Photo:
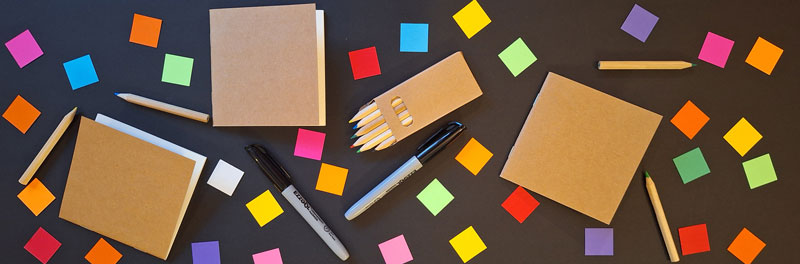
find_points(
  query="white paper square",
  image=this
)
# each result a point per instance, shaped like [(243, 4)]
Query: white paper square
[(225, 177)]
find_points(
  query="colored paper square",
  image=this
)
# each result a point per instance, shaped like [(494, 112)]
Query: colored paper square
[(395, 251), (80, 72), (520, 204), (467, 244), (145, 30), (205, 252), (517, 57), (746, 246), (598, 242), (264, 208), (759, 171), (473, 156), (331, 179), (691, 165), (689, 119), (639, 23), (177, 70), (309, 144), (472, 18), (42, 245), (694, 239), (742, 136), (225, 177), (364, 63), (764, 56), (24, 48), (716, 49), (36, 196), (435, 197), (413, 37), (21, 114), (272, 256), (103, 253)]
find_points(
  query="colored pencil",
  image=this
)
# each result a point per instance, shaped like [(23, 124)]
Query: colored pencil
[(363, 112), (644, 65), (662, 218), (48, 146), (369, 136), (164, 107), (375, 141), (385, 144)]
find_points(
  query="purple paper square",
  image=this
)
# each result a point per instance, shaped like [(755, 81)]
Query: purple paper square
[(716, 49), (599, 242), (309, 144), (24, 48), (205, 252), (395, 251), (639, 23)]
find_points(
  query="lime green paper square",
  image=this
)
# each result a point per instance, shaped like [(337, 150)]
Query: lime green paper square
[(759, 171), (177, 70), (435, 197), (517, 57), (691, 165)]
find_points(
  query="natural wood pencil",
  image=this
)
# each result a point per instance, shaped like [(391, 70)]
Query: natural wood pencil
[(644, 65), (48, 146), (385, 144), (662, 218), (375, 141), (370, 108), (369, 136), (164, 107)]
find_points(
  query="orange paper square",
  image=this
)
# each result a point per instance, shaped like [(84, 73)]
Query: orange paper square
[(764, 56), (103, 253), (473, 156), (145, 30), (689, 119), (21, 114), (331, 179), (36, 196), (746, 246)]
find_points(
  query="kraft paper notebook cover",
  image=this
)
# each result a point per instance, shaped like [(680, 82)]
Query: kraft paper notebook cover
[(128, 185), (580, 147), (268, 66)]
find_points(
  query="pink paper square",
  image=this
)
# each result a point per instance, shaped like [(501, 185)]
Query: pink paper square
[(24, 48), (716, 49), (395, 251), (272, 256), (309, 144)]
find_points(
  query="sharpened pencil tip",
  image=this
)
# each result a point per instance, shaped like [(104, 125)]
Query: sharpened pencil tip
[(356, 126), (352, 146), (117, 94), (694, 64), (358, 151), (646, 175), (353, 136)]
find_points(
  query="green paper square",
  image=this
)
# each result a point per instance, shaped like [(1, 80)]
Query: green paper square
[(691, 165), (435, 197), (759, 171), (177, 70), (517, 57)]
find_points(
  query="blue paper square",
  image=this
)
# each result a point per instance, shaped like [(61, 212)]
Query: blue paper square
[(413, 37), (80, 72)]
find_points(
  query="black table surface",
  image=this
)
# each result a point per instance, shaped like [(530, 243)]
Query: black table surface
[(567, 36)]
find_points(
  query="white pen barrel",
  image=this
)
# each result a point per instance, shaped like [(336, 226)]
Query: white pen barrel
[(301, 205), (397, 177)]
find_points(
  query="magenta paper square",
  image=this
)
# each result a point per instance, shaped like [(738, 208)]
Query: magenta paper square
[(272, 256), (309, 144), (716, 49), (24, 48), (395, 250)]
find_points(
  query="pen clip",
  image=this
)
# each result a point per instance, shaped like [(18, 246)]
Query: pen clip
[(443, 132)]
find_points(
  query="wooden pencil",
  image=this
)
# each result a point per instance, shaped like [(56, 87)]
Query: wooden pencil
[(369, 136), (644, 65), (364, 111), (385, 144), (375, 141), (48, 146), (372, 116), (662, 218), (164, 107)]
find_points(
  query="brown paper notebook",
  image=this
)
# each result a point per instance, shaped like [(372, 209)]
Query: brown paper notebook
[(580, 147), (126, 188), (267, 66)]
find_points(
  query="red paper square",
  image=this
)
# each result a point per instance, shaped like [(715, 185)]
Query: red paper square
[(520, 204), (42, 245), (364, 63), (694, 239)]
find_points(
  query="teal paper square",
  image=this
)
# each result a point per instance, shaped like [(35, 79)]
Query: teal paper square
[(691, 165)]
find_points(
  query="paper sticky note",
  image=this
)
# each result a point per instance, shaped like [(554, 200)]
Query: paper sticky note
[(272, 256), (639, 23), (759, 171), (689, 119), (413, 37), (746, 246), (691, 165), (598, 242), (21, 114), (716, 49), (225, 177), (694, 239), (472, 18), (520, 204), (467, 244), (764, 56), (145, 30), (205, 252), (473, 156), (177, 70), (395, 251), (309, 144), (435, 197), (42, 245), (24, 48), (517, 57), (80, 72), (36, 196), (742, 136), (364, 63), (264, 208), (331, 179), (103, 253)]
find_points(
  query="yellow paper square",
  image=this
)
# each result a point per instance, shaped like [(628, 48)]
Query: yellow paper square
[(742, 136), (764, 55), (264, 208), (331, 179), (472, 18), (473, 156), (467, 244), (36, 196)]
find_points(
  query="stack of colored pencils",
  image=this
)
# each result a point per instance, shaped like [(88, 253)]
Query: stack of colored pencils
[(373, 132)]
